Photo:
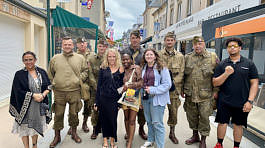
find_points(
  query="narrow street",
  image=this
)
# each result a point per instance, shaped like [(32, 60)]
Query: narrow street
[(9, 140)]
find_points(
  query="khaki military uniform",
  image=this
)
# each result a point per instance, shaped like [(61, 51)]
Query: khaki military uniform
[(175, 63), (199, 90), (90, 82), (95, 62), (65, 72)]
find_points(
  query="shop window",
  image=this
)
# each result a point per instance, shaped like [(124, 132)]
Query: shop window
[(209, 3), (179, 12), (159, 46), (259, 52), (189, 7), (171, 16), (262, 2)]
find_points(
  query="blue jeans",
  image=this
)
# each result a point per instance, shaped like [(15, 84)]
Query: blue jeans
[(154, 118)]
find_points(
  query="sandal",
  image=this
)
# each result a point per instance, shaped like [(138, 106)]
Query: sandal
[(113, 146), (103, 146)]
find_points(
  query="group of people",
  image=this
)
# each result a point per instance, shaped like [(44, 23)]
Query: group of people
[(159, 77)]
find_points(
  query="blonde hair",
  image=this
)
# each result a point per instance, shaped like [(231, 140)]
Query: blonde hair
[(105, 62)]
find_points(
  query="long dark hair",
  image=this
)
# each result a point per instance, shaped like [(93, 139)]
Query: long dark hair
[(158, 61)]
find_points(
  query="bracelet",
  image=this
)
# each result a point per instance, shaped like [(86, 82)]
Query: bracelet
[(42, 95)]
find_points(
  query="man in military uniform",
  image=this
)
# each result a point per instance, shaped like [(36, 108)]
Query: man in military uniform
[(175, 62), (137, 52), (65, 71), (96, 61), (90, 82), (198, 90)]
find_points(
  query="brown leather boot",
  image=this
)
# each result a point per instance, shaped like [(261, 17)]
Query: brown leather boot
[(84, 125), (203, 142), (195, 138), (94, 134), (56, 140), (69, 131), (142, 133), (172, 136), (75, 137)]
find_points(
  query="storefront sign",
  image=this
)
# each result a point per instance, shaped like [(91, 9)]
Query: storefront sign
[(221, 8), (14, 10)]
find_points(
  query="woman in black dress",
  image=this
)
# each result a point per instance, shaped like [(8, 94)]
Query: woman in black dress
[(110, 79)]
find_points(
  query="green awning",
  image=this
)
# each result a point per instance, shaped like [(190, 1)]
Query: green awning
[(148, 39), (63, 18)]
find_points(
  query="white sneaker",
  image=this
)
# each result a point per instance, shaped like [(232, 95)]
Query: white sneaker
[(147, 144)]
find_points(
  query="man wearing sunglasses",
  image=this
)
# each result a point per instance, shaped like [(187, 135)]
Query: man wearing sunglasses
[(237, 78)]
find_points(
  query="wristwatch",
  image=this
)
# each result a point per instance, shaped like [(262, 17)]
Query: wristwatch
[(251, 102)]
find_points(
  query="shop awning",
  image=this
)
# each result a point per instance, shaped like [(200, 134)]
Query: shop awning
[(148, 39), (63, 18)]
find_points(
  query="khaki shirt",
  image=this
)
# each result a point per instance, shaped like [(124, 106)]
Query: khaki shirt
[(65, 77), (90, 81), (198, 74), (175, 62), (95, 62)]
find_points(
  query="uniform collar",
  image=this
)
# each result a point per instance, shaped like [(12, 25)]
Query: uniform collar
[(133, 51), (98, 57), (204, 53), (83, 53), (171, 53), (68, 54)]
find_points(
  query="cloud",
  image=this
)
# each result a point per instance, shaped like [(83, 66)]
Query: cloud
[(124, 13)]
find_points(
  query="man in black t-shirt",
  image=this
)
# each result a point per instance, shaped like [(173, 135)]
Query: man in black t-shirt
[(237, 78)]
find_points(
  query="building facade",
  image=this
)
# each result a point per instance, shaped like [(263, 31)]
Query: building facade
[(22, 28), (184, 18)]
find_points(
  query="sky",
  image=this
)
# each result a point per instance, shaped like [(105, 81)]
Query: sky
[(124, 13)]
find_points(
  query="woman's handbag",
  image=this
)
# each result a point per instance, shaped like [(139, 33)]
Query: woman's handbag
[(131, 97)]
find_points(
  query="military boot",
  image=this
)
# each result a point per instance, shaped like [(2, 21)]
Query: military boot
[(142, 133), (56, 140), (69, 131), (203, 142), (84, 125), (75, 137), (94, 134), (195, 138), (172, 136)]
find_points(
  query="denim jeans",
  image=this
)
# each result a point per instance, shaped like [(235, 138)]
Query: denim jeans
[(154, 118)]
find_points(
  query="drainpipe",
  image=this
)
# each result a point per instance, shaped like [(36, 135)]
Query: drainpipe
[(49, 43)]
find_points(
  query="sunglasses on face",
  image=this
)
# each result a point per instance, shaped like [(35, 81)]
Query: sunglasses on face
[(230, 46)]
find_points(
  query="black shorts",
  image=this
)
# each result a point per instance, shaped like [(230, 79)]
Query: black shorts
[(226, 112)]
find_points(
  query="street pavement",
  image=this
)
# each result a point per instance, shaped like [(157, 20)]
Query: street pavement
[(9, 140)]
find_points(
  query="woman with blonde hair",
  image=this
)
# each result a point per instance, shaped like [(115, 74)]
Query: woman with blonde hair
[(157, 83), (110, 79)]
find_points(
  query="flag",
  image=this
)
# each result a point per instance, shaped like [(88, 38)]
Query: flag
[(89, 4)]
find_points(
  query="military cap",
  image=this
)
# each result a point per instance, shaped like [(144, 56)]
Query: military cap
[(80, 40), (197, 39), (170, 35)]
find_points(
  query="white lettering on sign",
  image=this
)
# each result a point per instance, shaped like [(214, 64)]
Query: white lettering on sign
[(218, 14), (221, 8)]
